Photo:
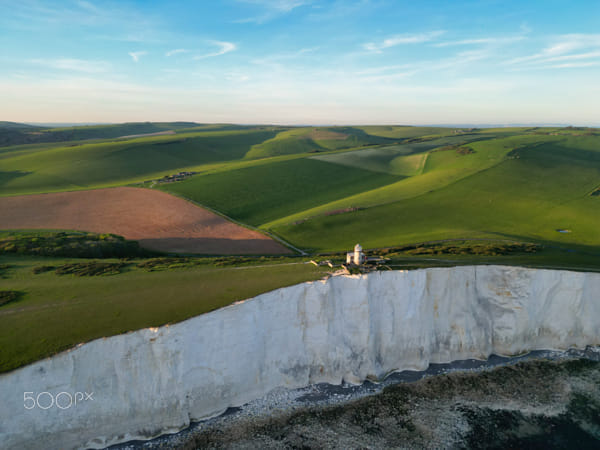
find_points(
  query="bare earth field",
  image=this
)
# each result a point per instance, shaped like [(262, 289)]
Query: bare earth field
[(159, 221)]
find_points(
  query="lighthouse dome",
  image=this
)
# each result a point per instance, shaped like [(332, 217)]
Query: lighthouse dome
[(358, 248)]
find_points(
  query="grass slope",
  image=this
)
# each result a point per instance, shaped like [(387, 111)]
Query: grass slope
[(440, 168), (407, 132), (532, 192), (259, 194), (43, 169), (58, 312), (313, 140), (16, 134), (395, 159)]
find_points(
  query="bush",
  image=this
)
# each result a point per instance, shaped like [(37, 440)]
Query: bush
[(89, 269), (41, 269), (72, 244), (9, 296)]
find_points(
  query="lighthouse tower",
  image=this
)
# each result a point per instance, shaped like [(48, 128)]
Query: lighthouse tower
[(356, 257)]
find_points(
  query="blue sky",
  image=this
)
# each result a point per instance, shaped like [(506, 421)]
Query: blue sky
[(301, 61)]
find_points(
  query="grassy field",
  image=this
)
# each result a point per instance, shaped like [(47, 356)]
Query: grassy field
[(314, 140), (57, 312), (400, 159), (256, 195), (530, 193), (16, 134), (87, 165)]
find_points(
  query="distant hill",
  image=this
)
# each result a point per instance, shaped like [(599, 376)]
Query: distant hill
[(17, 134), (17, 126)]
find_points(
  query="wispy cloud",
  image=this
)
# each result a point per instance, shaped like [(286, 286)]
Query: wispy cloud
[(75, 65), (271, 9), (563, 48), (223, 47), (87, 6), (135, 56), (176, 51), (576, 65), (396, 71), (481, 41), (37, 14), (401, 39)]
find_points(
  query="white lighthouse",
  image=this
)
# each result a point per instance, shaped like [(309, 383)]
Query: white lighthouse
[(356, 257)]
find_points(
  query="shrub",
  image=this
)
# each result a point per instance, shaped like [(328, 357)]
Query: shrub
[(9, 296), (89, 269), (72, 244)]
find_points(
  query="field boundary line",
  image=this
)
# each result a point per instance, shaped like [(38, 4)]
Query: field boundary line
[(250, 227)]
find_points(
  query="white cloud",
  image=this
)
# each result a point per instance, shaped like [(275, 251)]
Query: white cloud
[(75, 65), (136, 55), (176, 51), (223, 47), (378, 47)]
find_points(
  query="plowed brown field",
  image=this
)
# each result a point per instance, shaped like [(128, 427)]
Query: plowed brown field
[(159, 221)]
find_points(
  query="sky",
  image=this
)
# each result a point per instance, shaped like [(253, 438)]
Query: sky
[(301, 61)]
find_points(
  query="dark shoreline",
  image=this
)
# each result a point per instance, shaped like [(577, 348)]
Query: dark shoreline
[(543, 399)]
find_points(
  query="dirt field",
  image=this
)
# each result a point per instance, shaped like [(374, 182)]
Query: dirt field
[(159, 221)]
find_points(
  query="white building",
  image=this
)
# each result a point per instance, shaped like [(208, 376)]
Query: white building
[(356, 257)]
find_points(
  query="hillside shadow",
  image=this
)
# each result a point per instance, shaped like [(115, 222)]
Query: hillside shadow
[(6, 177), (215, 246), (567, 247)]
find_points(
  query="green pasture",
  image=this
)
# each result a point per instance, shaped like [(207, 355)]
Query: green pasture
[(314, 140), (88, 165), (262, 193), (15, 134), (396, 159), (58, 312), (530, 193), (407, 132)]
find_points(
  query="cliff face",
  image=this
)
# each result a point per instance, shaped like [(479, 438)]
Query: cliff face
[(154, 381)]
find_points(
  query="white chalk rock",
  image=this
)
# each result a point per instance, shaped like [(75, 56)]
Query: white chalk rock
[(154, 381)]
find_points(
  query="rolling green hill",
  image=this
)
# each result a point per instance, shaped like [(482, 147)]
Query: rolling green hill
[(530, 194), (18, 134), (256, 195), (35, 169), (314, 140), (324, 188)]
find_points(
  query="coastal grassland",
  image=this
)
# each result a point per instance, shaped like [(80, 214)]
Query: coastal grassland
[(262, 193), (38, 169), (57, 312), (526, 191)]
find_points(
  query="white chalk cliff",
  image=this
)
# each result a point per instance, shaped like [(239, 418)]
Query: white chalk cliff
[(154, 381)]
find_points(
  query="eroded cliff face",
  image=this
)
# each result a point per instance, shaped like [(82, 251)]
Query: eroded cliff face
[(155, 381)]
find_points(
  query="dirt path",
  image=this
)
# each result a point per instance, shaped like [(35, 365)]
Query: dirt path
[(159, 221)]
